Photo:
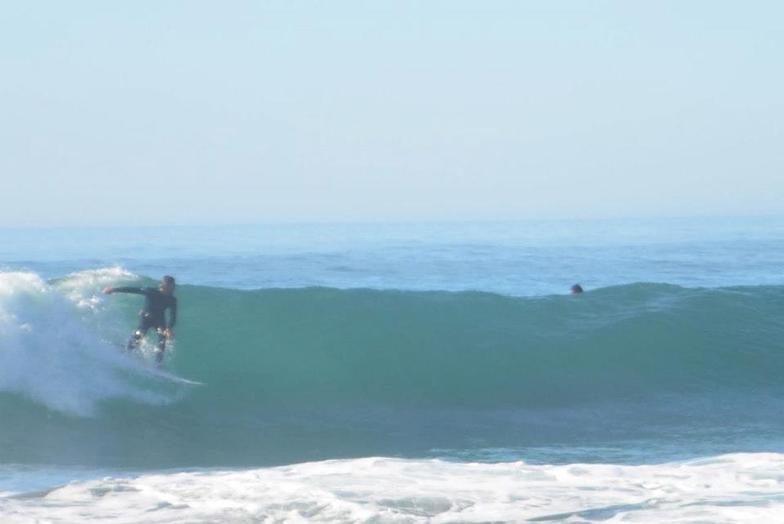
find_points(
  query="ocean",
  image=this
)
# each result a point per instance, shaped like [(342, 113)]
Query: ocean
[(409, 372)]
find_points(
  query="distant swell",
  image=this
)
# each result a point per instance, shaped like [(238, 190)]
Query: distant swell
[(317, 372)]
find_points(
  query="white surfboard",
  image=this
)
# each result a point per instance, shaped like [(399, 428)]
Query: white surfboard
[(174, 378), (158, 372)]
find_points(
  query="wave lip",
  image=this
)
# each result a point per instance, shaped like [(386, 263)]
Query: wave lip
[(728, 488)]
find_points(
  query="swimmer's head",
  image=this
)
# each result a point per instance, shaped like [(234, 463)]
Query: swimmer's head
[(577, 289)]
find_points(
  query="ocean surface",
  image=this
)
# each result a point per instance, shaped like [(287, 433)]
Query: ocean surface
[(398, 373)]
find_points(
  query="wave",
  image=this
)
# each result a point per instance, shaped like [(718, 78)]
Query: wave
[(316, 370), (728, 488)]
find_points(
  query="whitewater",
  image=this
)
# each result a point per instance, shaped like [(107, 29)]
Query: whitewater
[(398, 373)]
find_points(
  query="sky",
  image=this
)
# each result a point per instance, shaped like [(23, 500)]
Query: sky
[(190, 112)]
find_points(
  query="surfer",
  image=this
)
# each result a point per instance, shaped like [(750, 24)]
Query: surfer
[(577, 289), (156, 302)]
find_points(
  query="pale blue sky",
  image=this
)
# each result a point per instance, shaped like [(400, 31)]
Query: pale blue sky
[(217, 112)]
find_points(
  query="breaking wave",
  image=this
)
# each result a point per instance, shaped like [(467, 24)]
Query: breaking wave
[(297, 374)]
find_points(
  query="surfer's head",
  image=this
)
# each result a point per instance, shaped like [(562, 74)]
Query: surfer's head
[(167, 285), (577, 289)]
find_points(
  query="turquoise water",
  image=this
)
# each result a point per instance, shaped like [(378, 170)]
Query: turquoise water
[(455, 342)]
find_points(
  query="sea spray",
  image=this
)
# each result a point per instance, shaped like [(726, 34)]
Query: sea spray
[(54, 352)]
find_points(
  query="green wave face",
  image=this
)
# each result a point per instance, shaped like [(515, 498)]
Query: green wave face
[(326, 346), (303, 374)]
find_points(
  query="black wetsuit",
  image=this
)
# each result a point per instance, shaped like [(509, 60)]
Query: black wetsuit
[(152, 315)]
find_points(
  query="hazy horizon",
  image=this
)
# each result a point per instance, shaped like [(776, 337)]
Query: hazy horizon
[(402, 221)]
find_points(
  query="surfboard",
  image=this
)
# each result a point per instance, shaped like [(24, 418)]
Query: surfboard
[(151, 369), (162, 373)]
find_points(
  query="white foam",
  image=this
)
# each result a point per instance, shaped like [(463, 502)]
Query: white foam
[(84, 288), (725, 489), (53, 343)]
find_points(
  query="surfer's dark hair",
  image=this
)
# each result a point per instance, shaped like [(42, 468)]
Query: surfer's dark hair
[(169, 279)]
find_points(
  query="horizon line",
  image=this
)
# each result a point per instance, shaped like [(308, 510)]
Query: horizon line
[(390, 222)]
